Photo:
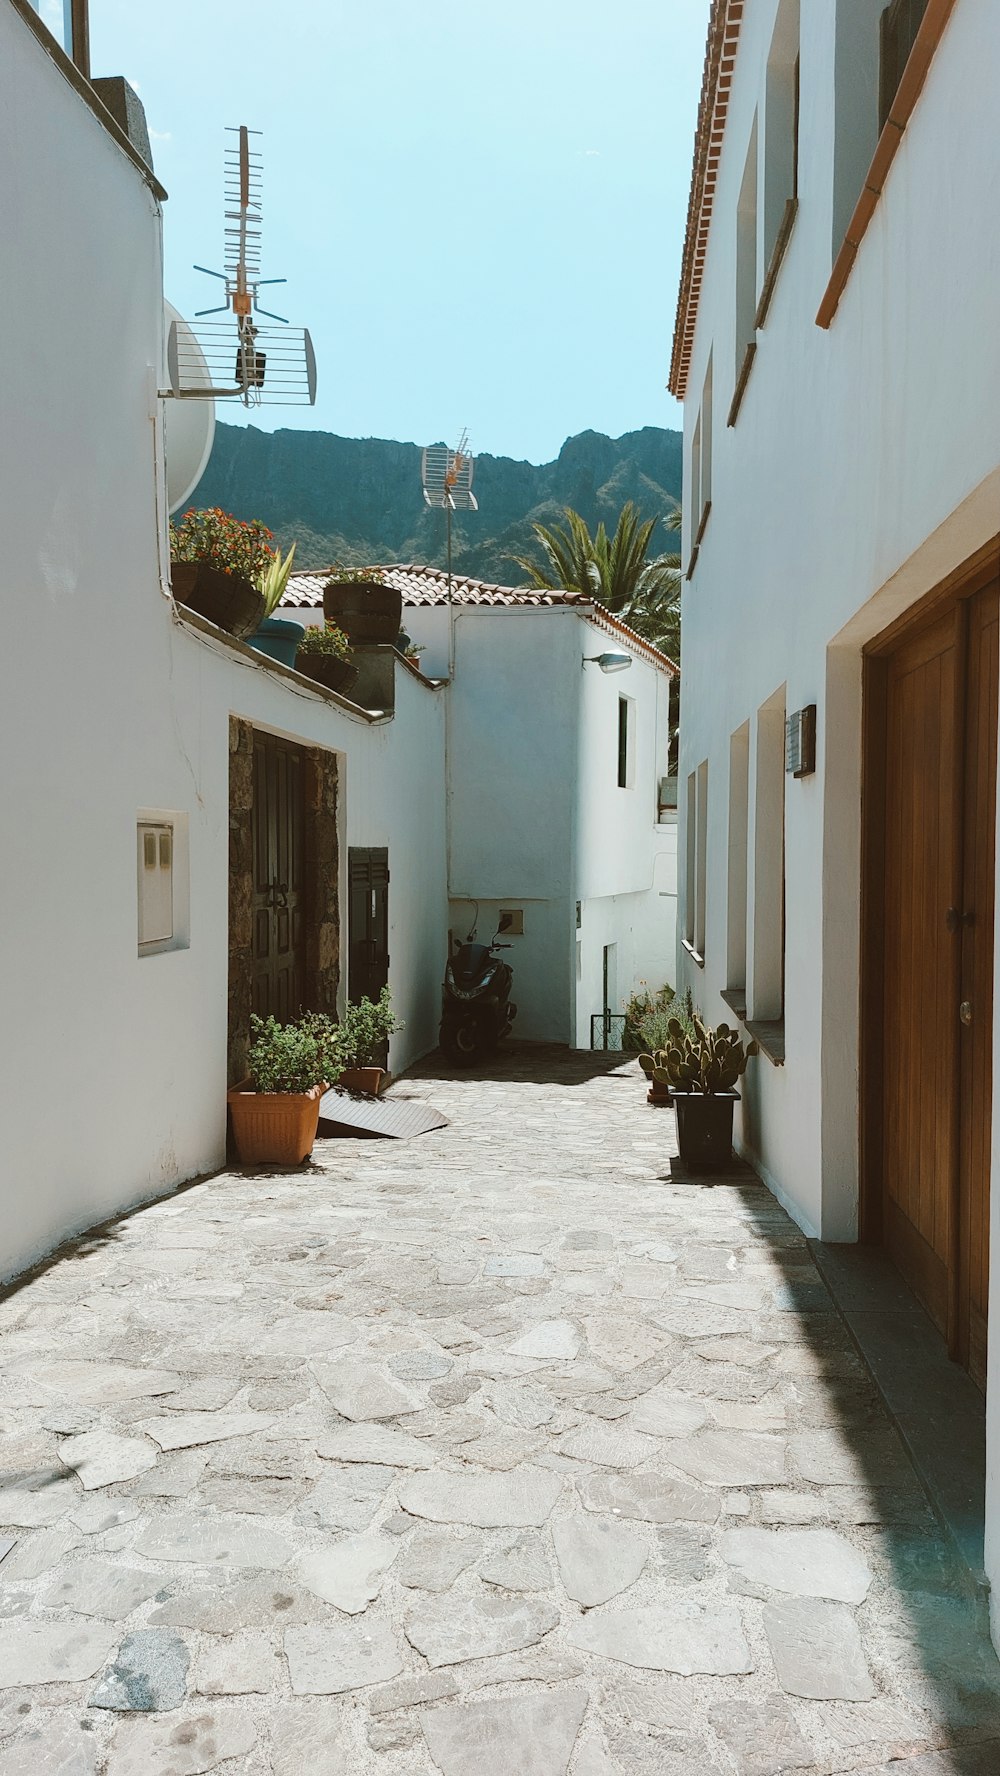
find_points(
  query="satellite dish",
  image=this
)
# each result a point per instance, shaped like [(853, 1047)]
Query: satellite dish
[(188, 426)]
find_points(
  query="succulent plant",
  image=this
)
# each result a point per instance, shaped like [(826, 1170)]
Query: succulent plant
[(702, 1060)]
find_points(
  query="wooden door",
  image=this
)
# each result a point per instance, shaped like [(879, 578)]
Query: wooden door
[(368, 897), (936, 788), (279, 911), (976, 990)]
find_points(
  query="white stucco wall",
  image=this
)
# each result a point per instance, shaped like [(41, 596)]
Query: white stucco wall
[(112, 1084), (863, 467)]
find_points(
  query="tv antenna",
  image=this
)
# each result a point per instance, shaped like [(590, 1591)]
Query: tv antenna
[(447, 478), (255, 364)]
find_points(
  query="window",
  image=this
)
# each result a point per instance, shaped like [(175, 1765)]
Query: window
[(626, 742), (766, 961), (736, 881), (697, 861), (898, 29), (706, 452), (69, 24), (161, 881), (746, 274), (856, 81), (694, 505), (780, 148)]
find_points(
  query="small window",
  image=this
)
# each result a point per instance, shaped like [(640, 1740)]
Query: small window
[(162, 881), (746, 275), (510, 921), (766, 986), (626, 742), (695, 900), (156, 885), (780, 147), (739, 791), (898, 29)]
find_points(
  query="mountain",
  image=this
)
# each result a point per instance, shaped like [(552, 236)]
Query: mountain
[(358, 500)]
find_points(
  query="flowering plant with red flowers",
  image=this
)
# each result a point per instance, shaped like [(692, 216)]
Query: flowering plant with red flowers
[(233, 545)]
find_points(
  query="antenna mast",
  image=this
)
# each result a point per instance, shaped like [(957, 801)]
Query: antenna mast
[(270, 366), (447, 481)]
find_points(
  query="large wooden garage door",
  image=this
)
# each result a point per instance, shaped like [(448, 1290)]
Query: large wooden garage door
[(935, 770)]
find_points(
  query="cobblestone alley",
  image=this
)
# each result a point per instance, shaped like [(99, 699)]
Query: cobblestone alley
[(500, 1450)]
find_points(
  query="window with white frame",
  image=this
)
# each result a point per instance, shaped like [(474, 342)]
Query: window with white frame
[(736, 879), (696, 860), (161, 882), (766, 961), (626, 743), (746, 274), (780, 148)]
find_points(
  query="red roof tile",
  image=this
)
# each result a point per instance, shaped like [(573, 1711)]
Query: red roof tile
[(429, 586)]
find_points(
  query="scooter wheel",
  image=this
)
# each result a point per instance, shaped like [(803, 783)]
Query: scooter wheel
[(462, 1044)]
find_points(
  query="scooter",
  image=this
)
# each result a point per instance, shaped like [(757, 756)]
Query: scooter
[(476, 1012)]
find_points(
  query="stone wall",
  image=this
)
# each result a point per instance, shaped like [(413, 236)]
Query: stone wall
[(322, 858), (240, 894)]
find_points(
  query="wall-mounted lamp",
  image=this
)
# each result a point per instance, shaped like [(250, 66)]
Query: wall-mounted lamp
[(609, 662)]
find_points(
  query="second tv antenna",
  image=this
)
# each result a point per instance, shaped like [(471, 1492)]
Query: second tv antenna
[(253, 363)]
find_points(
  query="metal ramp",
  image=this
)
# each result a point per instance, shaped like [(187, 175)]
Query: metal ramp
[(398, 1118)]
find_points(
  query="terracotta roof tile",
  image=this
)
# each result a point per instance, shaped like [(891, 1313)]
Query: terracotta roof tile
[(429, 586)]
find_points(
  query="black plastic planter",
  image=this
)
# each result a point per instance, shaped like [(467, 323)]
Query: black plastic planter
[(705, 1128)]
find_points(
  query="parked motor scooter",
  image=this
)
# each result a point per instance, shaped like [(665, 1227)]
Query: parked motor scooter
[(476, 1012)]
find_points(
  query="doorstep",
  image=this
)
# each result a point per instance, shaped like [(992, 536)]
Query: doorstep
[(936, 1407)]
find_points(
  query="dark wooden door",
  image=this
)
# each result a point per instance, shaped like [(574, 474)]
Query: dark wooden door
[(938, 784), (368, 898), (278, 888)]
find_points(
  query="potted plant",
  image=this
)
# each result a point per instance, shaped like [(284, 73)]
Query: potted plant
[(323, 654), (360, 602), (278, 637), (217, 563), (648, 1021), (362, 1035), (275, 1111), (702, 1067)]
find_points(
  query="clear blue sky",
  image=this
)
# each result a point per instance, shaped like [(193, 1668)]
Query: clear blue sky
[(479, 207)]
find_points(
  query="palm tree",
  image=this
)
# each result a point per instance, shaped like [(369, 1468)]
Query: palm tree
[(617, 570)]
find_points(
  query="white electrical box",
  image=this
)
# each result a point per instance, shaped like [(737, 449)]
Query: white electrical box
[(156, 883)]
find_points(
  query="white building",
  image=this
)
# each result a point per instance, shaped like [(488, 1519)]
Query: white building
[(555, 773), (838, 352), (123, 720), (187, 827)]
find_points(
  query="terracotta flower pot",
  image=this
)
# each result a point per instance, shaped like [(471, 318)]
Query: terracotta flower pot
[(367, 612), (326, 669), (225, 599), (273, 1128), (366, 1080)]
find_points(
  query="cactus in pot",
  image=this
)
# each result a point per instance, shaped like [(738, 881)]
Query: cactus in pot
[(700, 1060)]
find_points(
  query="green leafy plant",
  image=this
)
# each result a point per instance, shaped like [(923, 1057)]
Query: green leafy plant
[(286, 1057), (699, 1060), (275, 579), (329, 640), (233, 545), (648, 1016), (365, 1026), (615, 571), (348, 576)]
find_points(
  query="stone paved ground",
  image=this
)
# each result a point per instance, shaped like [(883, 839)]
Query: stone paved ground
[(502, 1449)]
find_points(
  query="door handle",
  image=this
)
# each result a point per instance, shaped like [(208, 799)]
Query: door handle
[(965, 1011), (279, 889), (955, 920)]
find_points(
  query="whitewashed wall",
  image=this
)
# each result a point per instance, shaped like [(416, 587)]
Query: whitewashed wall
[(863, 467), (112, 1082)]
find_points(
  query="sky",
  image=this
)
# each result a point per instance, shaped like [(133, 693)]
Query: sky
[(479, 208)]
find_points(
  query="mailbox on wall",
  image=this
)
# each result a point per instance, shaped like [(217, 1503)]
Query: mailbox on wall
[(800, 742)]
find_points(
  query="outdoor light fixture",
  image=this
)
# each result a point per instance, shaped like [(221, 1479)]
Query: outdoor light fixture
[(609, 662)]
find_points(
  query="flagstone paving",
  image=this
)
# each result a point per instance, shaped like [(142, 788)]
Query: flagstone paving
[(503, 1449)]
